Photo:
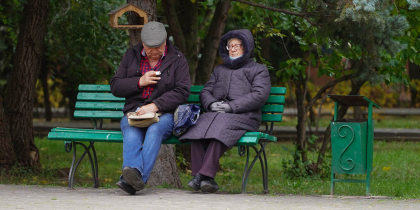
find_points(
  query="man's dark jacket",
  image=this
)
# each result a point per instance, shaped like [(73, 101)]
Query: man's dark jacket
[(244, 83), (171, 90)]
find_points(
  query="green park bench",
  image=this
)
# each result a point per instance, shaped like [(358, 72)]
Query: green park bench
[(95, 102)]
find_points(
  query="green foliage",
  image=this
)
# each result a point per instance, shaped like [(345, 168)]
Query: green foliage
[(298, 169), (367, 32), (365, 39), (203, 22), (378, 32), (10, 16), (80, 45), (414, 4), (181, 162)]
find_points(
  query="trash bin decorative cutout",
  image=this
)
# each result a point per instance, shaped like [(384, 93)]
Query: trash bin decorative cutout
[(352, 141)]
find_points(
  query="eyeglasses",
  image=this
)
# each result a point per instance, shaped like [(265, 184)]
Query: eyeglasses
[(236, 46)]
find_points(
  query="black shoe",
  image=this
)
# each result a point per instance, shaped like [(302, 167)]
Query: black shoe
[(195, 182), (209, 186), (126, 187), (133, 177)]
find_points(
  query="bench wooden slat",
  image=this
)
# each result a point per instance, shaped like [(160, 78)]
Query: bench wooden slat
[(81, 130), (193, 98), (174, 140), (196, 89), (89, 114), (92, 114), (94, 88), (74, 134), (273, 91), (271, 118), (272, 99), (269, 138), (278, 91), (79, 136), (273, 109), (87, 105), (118, 106), (84, 96)]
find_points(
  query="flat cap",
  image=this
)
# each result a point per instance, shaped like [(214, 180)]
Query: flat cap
[(153, 34)]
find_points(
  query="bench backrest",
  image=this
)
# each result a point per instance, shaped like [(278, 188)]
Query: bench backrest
[(96, 102)]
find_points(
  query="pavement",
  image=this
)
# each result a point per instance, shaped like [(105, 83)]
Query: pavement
[(39, 197)]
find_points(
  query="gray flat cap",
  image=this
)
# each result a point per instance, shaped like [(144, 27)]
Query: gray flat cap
[(153, 34)]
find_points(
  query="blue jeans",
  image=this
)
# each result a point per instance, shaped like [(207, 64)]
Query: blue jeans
[(141, 145)]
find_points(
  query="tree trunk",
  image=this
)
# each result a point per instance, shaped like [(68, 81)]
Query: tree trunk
[(414, 73), (301, 126), (148, 6), (165, 169), (175, 29), (189, 25), (7, 155), (211, 42), (21, 85), (43, 76), (182, 17), (183, 26)]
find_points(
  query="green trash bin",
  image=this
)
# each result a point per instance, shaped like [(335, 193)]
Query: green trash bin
[(352, 142)]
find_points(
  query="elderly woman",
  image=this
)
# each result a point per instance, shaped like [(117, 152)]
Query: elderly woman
[(232, 99)]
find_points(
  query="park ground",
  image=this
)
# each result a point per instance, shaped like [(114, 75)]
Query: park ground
[(38, 197)]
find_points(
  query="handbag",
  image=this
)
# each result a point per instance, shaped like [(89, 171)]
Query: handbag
[(144, 120), (185, 116)]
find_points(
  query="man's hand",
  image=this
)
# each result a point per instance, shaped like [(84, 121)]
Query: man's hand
[(147, 108), (148, 78)]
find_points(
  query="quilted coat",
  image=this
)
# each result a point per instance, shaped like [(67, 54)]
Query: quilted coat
[(244, 83)]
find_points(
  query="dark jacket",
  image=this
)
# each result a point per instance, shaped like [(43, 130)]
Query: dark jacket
[(244, 83), (171, 90)]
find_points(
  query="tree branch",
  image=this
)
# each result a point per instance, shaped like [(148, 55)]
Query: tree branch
[(324, 88), (207, 16), (303, 15), (211, 42), (174, 25)]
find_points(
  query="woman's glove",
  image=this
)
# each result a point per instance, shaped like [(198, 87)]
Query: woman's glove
[(222, 107), (213, 106)]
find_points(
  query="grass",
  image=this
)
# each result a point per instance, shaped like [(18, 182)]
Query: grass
[(394, 171), (380, 121)]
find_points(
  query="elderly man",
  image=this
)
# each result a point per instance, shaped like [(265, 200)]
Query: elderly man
[(145, 91)]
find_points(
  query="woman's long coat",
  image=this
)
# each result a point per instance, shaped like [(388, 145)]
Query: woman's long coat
[(242, 82)]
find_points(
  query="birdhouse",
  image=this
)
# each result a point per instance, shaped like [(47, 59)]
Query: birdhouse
[(116, 13)]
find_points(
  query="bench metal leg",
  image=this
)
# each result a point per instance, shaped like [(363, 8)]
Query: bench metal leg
[(265, 179), (245, 176), (248, 168), (93, 163)]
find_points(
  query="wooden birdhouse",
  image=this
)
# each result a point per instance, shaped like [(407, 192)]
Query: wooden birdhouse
[(116, 13)]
